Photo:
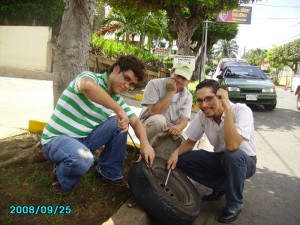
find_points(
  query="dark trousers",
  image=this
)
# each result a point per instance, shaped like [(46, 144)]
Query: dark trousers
[(227, 170)]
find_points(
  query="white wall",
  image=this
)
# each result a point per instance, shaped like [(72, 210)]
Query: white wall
[(24, 47)]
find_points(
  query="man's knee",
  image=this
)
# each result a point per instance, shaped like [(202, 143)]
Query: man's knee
[(80, 165)]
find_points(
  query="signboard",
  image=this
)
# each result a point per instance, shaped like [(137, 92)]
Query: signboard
[(162, 51), (241, 15), (185, 58)]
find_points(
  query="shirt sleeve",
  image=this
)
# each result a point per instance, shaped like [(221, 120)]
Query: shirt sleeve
[(124, 106), (196, 128), (89, 74), (187, 106), (244, 121), (151, 94)]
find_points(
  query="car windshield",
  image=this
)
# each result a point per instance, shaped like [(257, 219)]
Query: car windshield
[(244, 72)]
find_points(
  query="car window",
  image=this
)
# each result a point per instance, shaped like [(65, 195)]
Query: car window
[(244, 72)]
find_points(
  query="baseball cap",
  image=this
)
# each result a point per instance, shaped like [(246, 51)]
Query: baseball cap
[(183, 69)]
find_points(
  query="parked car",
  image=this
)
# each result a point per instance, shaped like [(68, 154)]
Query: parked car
[(223, 63), (249, 85), (296, 89)]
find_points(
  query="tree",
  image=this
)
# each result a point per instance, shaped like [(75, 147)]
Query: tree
[(226, 49), (215, 32), (129, 22), (73, 43), (122, 21), (186, 15), (289, 54), (274, 62), (256, 56)]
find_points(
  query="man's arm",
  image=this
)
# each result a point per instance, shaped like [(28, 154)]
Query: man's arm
[(185, 147), (231, 136), (176, 129), (95, 93), (146, 149), (160, 106)]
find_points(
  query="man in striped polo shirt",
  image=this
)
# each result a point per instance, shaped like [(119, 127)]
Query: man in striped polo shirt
[(90, 113)]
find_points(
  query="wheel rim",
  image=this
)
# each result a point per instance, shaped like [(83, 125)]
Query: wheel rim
[(177, 188)]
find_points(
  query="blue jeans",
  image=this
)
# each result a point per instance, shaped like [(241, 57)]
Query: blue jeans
[(73, 156), (227, 170)]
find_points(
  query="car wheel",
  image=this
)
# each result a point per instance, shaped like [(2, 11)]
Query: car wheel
[(177, 203), (298, 101), (270, 107)]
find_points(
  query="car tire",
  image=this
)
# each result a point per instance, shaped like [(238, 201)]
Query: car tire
[(298, 101), (177, 203), (270, 107)]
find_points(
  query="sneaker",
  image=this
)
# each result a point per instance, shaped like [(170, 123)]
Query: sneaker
[(118, 183)]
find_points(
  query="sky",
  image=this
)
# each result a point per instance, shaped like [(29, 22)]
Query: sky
[(273, 23)]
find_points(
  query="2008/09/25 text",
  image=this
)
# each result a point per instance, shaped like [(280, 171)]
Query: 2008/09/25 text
[(39, 209)]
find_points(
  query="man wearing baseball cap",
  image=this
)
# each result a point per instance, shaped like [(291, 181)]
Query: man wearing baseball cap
[(168, 102)]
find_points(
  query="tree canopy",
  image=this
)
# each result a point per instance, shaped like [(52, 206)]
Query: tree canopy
[(185, 15), (288, 54), (254, 57), (32, 12)]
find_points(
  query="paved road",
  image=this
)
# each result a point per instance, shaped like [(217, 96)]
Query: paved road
[(272, 195)]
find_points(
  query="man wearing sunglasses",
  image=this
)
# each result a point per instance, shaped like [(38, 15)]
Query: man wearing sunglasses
[(89, 114), (168, 102), (230, 129)]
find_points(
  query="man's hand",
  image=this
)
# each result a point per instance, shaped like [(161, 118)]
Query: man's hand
[(173, 159), (148, 154), (173, 130), (171, 85), (223, 95), (122, 120)]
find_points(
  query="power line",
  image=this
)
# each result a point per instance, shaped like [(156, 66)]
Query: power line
[(281, 6), (274, 18)]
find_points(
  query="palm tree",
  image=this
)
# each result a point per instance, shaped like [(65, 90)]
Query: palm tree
[(121, 22), (226, 49), (154, 25)]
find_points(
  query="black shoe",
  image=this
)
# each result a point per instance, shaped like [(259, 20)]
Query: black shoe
[(213, 196), (118, 183), (228, 216)]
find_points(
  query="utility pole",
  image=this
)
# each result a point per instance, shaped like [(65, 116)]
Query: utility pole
[(204, 51)]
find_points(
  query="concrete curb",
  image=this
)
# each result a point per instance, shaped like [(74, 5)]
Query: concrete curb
[(129, 215)]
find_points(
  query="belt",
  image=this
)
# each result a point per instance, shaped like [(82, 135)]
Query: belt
[(254, 158)]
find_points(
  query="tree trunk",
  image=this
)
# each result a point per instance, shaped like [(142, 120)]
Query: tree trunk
[(184, 28), (73, 43)]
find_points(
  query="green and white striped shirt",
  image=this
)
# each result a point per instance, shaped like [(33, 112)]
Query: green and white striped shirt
[(77, 116)]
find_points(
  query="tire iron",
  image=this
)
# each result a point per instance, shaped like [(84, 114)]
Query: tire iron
[(168, 177)]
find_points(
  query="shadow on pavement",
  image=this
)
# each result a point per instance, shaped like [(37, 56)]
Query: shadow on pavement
[(270, 198)]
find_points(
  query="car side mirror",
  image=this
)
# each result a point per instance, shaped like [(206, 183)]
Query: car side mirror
[(220, 76)]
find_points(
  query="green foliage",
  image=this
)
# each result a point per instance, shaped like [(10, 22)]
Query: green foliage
[(113, 49), (32, 12), (254, 57), (226, 49), (288, 54), (192, 88)]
